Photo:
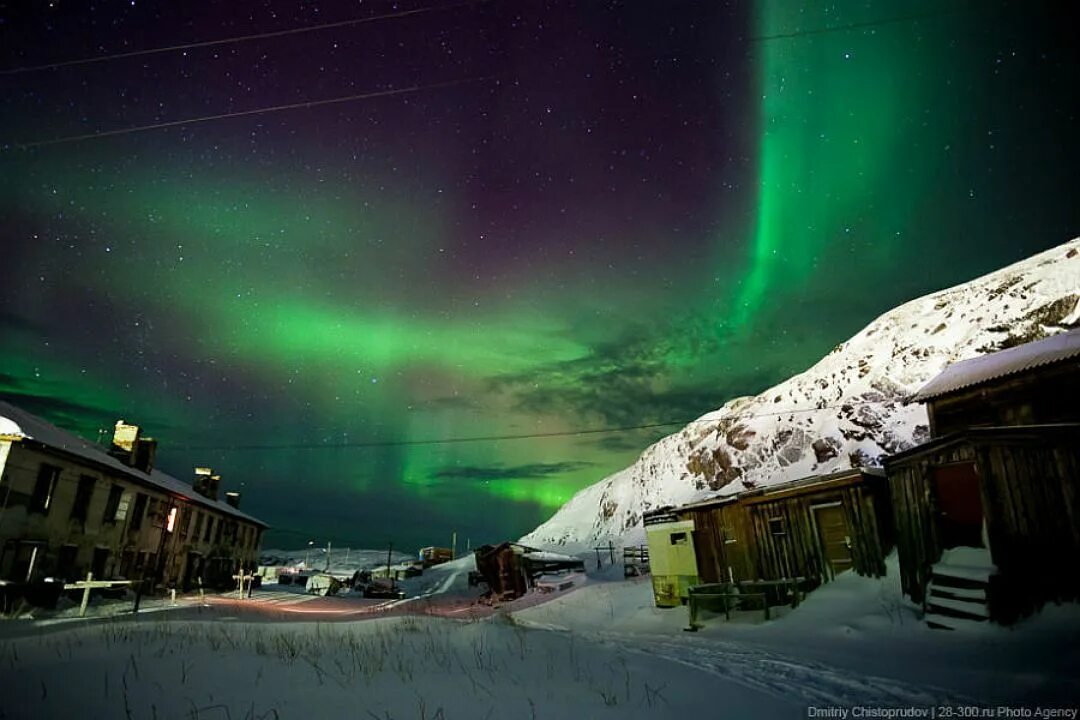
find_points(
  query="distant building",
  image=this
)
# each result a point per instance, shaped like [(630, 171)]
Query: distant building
[(68, 507), (988, 511)]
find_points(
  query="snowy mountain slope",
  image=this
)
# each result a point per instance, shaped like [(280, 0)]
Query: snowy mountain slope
[(845, 411)]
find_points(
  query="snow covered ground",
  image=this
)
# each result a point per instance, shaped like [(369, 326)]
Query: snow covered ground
[(598, 650)]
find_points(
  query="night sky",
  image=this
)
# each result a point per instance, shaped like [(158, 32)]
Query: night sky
[(587, 215)]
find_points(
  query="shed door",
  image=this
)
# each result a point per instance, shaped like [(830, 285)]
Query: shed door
[(835, 538), (959, 505)]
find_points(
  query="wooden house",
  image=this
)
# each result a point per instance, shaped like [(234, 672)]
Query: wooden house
[(806, 531), (998, 485), (69, 506), (815, 528)]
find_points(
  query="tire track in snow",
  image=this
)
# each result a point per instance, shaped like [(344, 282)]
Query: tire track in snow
[(813, 682)]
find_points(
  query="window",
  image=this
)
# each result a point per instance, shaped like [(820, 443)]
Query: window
[(209, 528), (727, 534), (112, 504), (97, 565), (137, 511), (198, 526), (185, 522), (220, 529), (83, 494), (44, 487), (678, 538), (65, 562), (27, 556), (777, 527), (127, 561)]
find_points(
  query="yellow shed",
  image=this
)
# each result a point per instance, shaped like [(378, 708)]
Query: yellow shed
[(671, 557)]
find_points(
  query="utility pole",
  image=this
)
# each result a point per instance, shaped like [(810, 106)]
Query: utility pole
[(327, 556), (389, 555), (453, 545)]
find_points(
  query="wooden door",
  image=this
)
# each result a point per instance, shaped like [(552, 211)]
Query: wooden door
[(835, 537), (959, 505)]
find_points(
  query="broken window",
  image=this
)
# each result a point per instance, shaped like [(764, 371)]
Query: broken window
[(777, 526), (83, 493), (678, 538), (44, 488), (112, 504), (27, 556), (138, 511)]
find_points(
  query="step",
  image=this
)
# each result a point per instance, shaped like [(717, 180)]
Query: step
[(943, 576), (945, 622), (977, 594), (961, 608), (966, 563)]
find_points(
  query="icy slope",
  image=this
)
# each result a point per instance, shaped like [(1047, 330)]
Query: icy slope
[(845, 411)]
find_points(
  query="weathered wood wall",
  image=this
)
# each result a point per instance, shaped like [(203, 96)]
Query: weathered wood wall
[(1030, 492), (757, 554), (917, 542), (713, 527), (799, 551), (1031, 499)]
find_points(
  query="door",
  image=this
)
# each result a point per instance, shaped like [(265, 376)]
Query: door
[(959, 505), (97, 565), (835, 537)]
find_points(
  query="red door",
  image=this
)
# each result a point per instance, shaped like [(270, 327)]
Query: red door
[(959, 505)]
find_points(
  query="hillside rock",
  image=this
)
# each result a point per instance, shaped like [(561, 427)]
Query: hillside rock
[(847, 410)]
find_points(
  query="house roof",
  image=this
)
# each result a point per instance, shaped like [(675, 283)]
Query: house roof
[(810, 481), (1020, 434), (978, 370), (16, 422)]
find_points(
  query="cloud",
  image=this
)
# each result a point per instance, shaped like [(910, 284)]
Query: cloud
[(528, 471)]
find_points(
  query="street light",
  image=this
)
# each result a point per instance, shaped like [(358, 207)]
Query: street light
[(307, 557)]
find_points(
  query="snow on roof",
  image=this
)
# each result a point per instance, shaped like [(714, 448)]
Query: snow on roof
[(17, 422), (978, 370)]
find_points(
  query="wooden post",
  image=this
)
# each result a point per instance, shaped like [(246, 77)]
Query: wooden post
[(86, 594), (611, 551)]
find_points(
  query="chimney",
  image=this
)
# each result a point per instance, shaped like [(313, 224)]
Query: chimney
[(125, 436), (212, 487), (143, 456), (131, 448), (202, 481), (233, 498)]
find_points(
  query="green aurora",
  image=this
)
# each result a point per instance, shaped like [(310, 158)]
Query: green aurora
[(230, 307)]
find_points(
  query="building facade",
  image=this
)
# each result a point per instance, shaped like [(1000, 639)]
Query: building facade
[(69, 507), (987, 512)]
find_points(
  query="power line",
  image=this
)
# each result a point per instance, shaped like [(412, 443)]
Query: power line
[(238, 38), (243, 113), (496, 438)]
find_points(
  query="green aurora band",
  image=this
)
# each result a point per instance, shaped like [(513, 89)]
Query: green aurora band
[(333, 314)]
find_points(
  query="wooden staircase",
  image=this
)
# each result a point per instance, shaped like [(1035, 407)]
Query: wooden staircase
[(956, 596)]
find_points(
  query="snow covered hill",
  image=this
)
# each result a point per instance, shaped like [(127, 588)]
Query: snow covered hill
[(845, 411)]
